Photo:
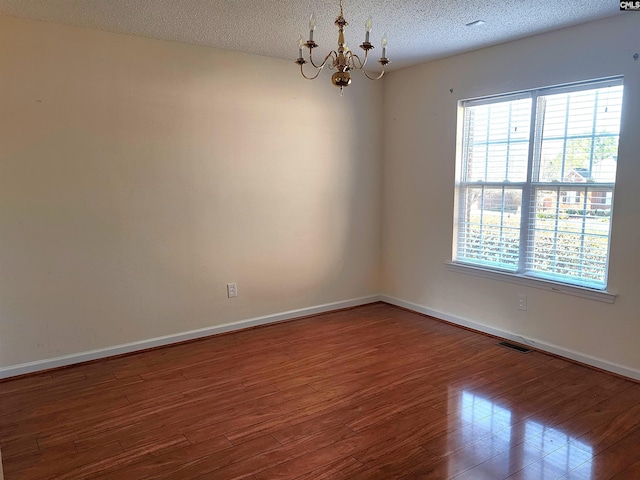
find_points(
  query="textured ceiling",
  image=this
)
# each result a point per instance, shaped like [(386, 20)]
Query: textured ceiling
[(417, 30)]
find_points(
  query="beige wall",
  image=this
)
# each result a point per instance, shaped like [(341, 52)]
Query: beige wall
[(418, 173), (138, 177)]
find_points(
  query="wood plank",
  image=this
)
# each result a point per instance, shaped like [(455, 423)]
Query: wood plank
[(612, 461)]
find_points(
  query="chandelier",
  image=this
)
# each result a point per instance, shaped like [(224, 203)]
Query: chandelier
[(343, 60)]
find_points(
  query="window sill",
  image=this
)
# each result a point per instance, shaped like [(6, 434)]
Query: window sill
[(591, 294)]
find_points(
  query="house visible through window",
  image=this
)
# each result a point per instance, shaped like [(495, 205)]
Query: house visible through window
[(536, 179)]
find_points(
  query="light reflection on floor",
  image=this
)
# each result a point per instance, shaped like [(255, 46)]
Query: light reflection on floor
[(503, 445)]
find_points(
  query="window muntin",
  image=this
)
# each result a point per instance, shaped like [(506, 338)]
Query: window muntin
[(536, 182)]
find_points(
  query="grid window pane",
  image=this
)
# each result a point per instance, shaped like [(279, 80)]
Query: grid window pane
[(490, 233), (580, 135), (497, 141), (569, 234)]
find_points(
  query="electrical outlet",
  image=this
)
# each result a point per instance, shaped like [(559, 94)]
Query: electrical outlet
[(522, 302), (232, 290)]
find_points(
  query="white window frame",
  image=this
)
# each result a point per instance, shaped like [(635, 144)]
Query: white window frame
[(521, 276)]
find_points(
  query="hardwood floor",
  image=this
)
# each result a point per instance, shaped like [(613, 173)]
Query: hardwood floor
[(374, 392)]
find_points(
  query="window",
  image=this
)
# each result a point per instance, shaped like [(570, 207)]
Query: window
[(535, 182)]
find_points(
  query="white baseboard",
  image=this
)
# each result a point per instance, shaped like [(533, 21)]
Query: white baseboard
[(540, 345), (40, 365)]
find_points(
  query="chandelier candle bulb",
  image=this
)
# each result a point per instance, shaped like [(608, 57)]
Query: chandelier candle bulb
[(367, 27), (384, 46), (300, 45), (312, 26)]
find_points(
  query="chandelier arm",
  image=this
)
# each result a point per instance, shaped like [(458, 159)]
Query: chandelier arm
[(318, 70), (361, 62), (324, 62), (373, 78)]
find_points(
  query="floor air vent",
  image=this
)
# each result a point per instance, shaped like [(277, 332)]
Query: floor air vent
[(517, 348)]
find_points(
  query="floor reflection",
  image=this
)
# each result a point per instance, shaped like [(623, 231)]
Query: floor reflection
[(502, 445)]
